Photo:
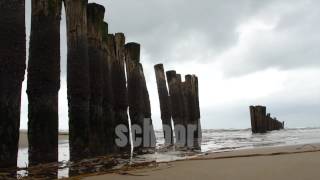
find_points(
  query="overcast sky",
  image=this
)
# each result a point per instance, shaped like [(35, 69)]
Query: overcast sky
[(245, 52)]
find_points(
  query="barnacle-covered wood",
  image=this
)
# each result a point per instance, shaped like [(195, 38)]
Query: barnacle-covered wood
[(12, 69)]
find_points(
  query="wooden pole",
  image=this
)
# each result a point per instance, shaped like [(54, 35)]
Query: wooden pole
[(261, 119), (183, 111), (262, 122), (186, 106), (135, 96), (78, 78), (198, 135), (176, 106), (150, 141), (12, 67), (253, 119), (95, 16), (44, 81), (195, 110), (108, 111), (164, 100), (119, 86)]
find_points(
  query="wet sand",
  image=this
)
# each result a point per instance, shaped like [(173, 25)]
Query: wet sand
[(283, 163), (23, 139), (301, 162)]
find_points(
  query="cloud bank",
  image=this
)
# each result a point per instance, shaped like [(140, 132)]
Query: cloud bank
[(244, 52)]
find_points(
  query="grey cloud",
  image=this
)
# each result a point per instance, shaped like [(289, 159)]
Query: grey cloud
[(161, 25), (293, 43)]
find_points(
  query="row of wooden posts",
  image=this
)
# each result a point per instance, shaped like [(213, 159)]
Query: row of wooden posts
[(182, 105), (104, 79), (261, 122)]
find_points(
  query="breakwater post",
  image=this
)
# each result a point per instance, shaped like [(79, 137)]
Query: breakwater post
[(119, 85), (261, 122), (139, 102), (107, 102), (95, 16), (148, 130), (44, 81), (164, 101), (184, 107), (12, 70), (78, 78)]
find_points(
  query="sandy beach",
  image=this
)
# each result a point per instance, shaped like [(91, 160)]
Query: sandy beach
[(284, 163)]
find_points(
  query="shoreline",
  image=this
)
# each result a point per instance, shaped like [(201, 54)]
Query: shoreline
[(285, 163), (249, 163)]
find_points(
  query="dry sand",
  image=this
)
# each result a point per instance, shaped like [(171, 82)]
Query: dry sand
[(283, 163)]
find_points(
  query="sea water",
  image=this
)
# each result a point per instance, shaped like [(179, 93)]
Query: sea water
[(213, 140)]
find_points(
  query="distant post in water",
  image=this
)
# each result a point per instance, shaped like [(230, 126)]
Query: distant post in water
[(78, 78), (262, 122), (95, 16), (12, 68), (44, 81), (164, 100), (253, 119)]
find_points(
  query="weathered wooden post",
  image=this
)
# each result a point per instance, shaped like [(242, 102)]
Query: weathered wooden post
[(44, 81), (183, 102), (198, 133), (135, 98), (253, 119), (95, 16), (269, 122), (78, 78), (277, 124), (190, 95), (149, 133), (119, 85), (183, 110), (108, 112), (176, 107), (12, 68), (261, 119), (164, 100), (194, 109), (186, 106)]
